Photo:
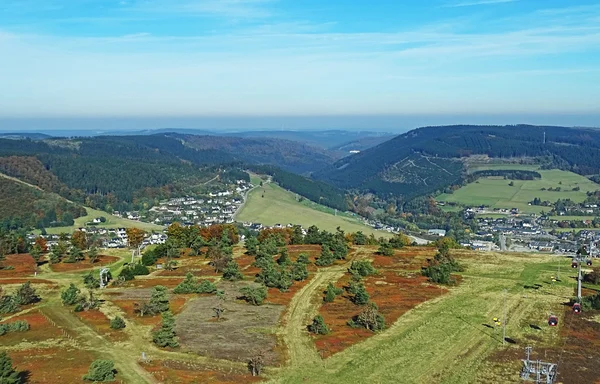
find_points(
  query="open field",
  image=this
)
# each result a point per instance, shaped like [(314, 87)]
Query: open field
[(517, 167), (452, 339), (496, 193), (281, 207), (111, 222), (434, 334)]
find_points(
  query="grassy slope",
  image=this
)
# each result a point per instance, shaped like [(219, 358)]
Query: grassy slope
[(280, 207), (111, 222), (496, 193), (444, 340)]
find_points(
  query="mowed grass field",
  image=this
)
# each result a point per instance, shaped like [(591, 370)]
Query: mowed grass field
[(496, 192), (111, 222), (452, 339), (279, 206)]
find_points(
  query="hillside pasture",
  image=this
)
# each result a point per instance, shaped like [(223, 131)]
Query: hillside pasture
[(111, 222), (496, 192), (271, 204)]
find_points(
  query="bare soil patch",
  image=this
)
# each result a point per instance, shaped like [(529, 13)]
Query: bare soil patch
[(243, 331)]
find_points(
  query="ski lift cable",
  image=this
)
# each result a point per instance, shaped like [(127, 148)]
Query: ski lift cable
[(560, 356)]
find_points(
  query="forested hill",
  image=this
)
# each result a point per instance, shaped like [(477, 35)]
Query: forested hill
[(129, 172), (426, 159), (290, 155)]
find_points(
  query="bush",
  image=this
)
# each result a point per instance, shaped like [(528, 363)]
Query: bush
[(8, 304), (117, 323), (299, 271), (303, 259), (362, 268), (16, 326), (386, 249), (70, 296), (190, 285), (331, 292), (254, 295), (591, 302), (101, 371), (318, 326), (359, 293)]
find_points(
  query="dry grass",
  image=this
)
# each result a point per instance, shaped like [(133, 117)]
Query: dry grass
[(243, 331), (177, 372), (83, 265)]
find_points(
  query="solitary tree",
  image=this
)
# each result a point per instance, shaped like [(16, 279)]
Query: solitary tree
[(26, 294), (369, 318), (117, 323), (70, 296), (8, 375), (254, 295), (318, 326), (360, 295), (36, 252), (165, 336), (101, 371), (331, 292)]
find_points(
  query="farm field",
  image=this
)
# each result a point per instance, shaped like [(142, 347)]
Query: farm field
[(281, 207), (496, 193), (111, 222), (433, 333)]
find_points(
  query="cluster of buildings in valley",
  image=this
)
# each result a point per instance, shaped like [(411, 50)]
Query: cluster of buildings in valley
[(217, 207)]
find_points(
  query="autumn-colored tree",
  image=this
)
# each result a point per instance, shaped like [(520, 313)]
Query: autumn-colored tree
[(79, 240), (135, 236), (176, 232), (284, 234), (215, 232), (42, 243)]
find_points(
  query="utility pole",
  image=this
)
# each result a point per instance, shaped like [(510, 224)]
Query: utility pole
[(505, 320), (579, 281)]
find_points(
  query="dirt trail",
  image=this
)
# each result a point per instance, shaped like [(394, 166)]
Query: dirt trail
[(303, 308), (125, 360)]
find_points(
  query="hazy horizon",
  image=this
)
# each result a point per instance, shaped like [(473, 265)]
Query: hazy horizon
[(386, 123)]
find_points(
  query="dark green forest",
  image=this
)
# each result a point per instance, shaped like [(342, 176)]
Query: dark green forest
[(572, 149)]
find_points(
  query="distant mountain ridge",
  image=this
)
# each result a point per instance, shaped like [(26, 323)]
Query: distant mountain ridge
[(429, 158)]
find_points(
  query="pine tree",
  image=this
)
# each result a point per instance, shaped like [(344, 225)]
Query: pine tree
[(326, 257), (284, 258), (165, 336), (251, 244), (8, 375), (232, 271), (26, 294), (117, 323), (101, 371), (299, 271), (93, 254), (159, 300), (318, 326), (36, 252), (331, 292), (254, 295), (71, 295), (360, 295)]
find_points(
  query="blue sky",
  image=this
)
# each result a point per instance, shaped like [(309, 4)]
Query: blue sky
[(145, 59)]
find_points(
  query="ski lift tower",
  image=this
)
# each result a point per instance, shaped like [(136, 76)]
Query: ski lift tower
[(538, 371)]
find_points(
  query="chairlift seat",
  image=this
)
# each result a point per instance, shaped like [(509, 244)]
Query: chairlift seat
[(553, 321), (577, 308)]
